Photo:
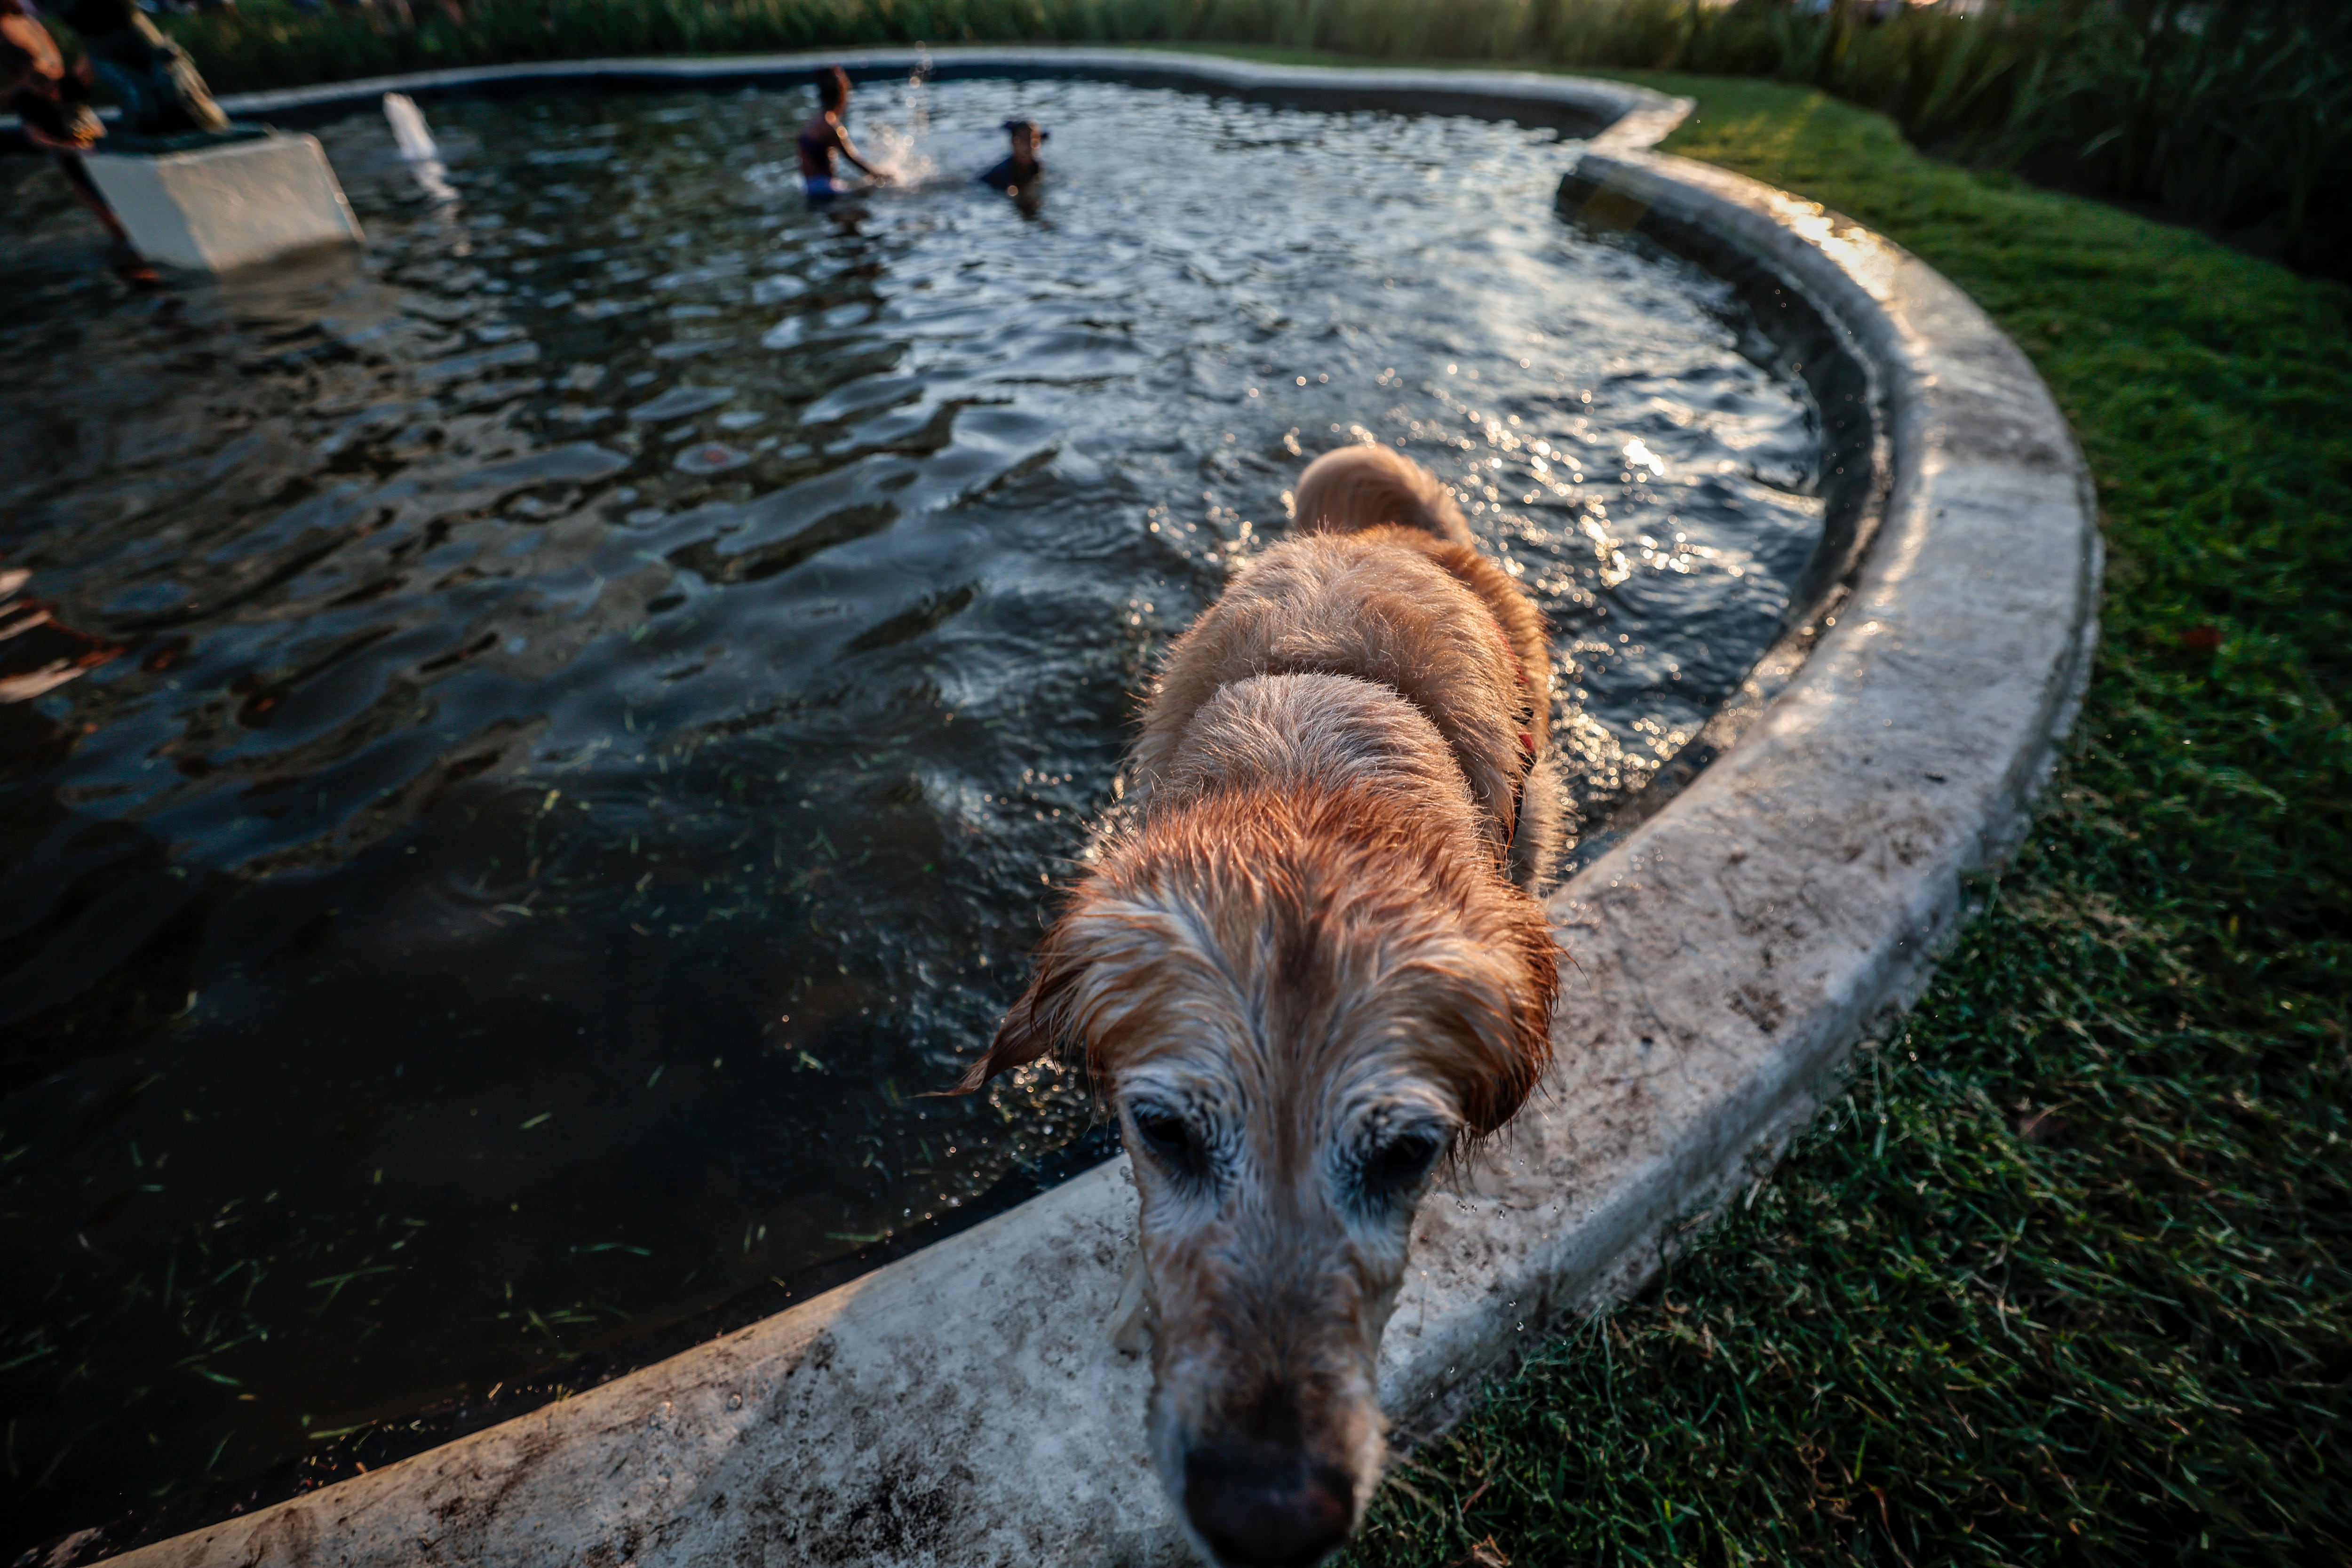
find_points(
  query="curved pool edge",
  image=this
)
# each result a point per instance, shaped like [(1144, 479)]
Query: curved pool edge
[(1630, 118), (963, 1405)]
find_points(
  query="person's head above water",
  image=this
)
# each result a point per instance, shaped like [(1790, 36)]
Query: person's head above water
[(832, 88), (1020, 166), (1027, 137)]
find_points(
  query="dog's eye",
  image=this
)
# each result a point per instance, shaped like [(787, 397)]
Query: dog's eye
[(1170, 1139), (1395, 1166)]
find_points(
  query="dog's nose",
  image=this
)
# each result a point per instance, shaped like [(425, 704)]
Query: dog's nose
[(1267, 1508)]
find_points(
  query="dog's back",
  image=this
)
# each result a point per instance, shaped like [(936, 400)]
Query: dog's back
[(1384, 583)]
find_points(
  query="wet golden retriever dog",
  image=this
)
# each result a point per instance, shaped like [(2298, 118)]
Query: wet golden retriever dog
[(1310, 966)]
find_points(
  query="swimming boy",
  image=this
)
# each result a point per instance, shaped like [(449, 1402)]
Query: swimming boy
[(1021, 168), (822, 136)]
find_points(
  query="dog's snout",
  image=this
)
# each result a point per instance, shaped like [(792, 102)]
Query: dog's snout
[(1260, 1506)]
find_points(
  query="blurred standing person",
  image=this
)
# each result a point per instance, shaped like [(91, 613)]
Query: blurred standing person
[(823, 135), (150, 79), (51, 101)]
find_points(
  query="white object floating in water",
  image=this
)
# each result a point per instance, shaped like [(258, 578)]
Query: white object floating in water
[(417, 146), (408, 127), (712, 458)]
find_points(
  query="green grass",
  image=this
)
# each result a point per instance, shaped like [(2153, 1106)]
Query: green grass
[(2066, 1276)]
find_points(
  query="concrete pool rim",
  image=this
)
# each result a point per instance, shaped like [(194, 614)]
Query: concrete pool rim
[(1617, 113), (963, 1404)]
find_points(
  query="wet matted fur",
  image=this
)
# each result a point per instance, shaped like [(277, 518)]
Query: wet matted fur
[(1309, 964)]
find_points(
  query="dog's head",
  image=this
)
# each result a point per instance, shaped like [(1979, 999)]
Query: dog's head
[(1368, 486), (1302, 1001)]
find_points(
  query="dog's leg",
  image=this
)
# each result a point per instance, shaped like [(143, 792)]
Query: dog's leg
[(1130, 1315)]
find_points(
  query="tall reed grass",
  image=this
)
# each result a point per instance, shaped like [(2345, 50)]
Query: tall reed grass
[(2228, 112), (2225, 113)]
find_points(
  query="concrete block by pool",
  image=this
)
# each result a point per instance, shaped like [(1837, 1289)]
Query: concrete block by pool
[(219, 208), (964, 1406)]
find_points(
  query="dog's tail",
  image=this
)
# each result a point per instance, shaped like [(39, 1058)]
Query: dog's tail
[(1356, 488)]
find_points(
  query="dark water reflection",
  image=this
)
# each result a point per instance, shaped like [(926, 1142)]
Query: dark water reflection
[(582, 711)]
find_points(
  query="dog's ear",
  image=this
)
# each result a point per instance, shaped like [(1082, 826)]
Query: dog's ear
[(1040, 1022), (1517, 1034)]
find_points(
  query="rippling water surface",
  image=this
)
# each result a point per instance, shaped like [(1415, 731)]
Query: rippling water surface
[(549, 738)]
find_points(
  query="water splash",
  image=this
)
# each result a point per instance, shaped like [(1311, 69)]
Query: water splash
[(903, 152)]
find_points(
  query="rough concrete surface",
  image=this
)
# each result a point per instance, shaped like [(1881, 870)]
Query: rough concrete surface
[(964, 1406), (223, 207)]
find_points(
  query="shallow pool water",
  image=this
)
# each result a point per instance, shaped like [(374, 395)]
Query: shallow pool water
[(551, 739)]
